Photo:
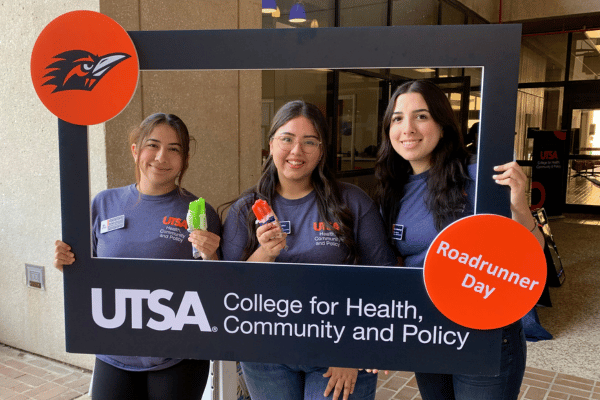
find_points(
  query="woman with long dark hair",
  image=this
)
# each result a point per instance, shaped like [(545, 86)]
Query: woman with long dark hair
[(310, 204), (426, 181)]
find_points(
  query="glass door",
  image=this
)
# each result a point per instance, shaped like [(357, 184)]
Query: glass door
[(581, 117), (583, 181)]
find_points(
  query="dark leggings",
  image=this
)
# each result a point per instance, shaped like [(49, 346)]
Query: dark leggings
[(184, 380)]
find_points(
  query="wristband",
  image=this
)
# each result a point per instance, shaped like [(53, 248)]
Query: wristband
[(534, 226)]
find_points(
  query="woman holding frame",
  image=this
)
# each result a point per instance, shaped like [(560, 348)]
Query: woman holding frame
[(426, 181), (161, 148)]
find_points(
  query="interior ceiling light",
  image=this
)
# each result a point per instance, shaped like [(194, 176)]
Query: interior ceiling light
[(297, 13), (269, 6)]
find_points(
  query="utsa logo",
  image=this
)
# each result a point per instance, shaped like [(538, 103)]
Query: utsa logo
[(549, 155), (189, 312), (321, 226), (80, 69), (178, 222)]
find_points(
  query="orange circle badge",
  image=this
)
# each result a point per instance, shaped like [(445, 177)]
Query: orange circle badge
[(485, 271), (84, 67)]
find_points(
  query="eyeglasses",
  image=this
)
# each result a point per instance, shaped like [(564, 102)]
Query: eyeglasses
[(287, 143)]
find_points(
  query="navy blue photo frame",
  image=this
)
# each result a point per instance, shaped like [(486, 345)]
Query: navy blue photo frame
[(414, 336)]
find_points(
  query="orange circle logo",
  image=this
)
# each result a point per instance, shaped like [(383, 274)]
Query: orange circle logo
[(84, 67), (485, 271)]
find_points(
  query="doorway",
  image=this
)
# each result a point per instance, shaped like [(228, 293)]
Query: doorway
[(583, 182), (582, 120)]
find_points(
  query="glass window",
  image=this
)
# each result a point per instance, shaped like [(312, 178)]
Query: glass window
[(540, 108), (585, 56), (319, 14), (358, 121), (543, 58), (475, 77), (363, 13), (450, 72), (411, 73), (415, 12), (465, 102), (553, 109), (582, 185)]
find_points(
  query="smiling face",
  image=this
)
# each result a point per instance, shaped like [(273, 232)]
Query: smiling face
[(159, 159), (414, 133), (295, 166)]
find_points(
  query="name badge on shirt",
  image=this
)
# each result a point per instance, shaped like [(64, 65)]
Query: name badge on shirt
[(112, 224), (286, 227), (397, 232)]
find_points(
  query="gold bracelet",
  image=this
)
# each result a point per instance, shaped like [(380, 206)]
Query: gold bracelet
[(534, 226)]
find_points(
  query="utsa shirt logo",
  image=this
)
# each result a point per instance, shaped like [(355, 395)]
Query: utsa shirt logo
[(320, 226), (178, 222), (80, 69)]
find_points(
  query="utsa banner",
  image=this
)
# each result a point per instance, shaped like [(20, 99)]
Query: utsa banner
[(351, 316)]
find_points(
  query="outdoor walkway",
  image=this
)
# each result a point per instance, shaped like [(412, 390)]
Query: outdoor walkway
[(26, 376), (537, 385)]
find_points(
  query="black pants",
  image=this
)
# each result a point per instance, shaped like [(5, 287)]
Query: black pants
[(184, 380)]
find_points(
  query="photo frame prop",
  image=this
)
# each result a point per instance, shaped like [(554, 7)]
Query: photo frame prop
[(353, 316)]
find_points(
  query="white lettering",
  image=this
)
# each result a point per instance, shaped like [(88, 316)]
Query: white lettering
[(155, 306), (435, 336), (191, 311)]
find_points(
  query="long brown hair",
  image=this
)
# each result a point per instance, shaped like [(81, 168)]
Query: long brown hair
[(139, 134), (448, 175), (329, 200)]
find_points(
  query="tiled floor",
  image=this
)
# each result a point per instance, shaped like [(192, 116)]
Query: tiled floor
[(583, 190), (537, 385), (26, 376)]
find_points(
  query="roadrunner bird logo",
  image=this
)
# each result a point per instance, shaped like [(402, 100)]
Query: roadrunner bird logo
[(80, 69)]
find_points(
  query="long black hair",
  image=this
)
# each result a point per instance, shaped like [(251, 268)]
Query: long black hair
[(448, 174), (329, 200)]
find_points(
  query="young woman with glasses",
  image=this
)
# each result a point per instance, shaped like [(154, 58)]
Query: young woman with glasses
[(302, 191)]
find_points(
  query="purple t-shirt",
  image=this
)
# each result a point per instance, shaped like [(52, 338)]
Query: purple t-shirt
[(414, 230), (153, 227), (309, 240)]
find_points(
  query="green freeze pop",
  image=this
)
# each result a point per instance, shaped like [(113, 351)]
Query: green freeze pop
[(197, 215), (196, 219)]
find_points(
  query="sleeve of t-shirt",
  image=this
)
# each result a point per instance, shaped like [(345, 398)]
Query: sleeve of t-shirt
[(235, 232), (95, 225)]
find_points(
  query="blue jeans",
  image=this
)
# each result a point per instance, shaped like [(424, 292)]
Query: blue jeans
[(505, 386), (299, 382)]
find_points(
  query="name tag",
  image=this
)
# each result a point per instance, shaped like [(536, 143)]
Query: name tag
[(398, 232), (286, 227), (112, 224)]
